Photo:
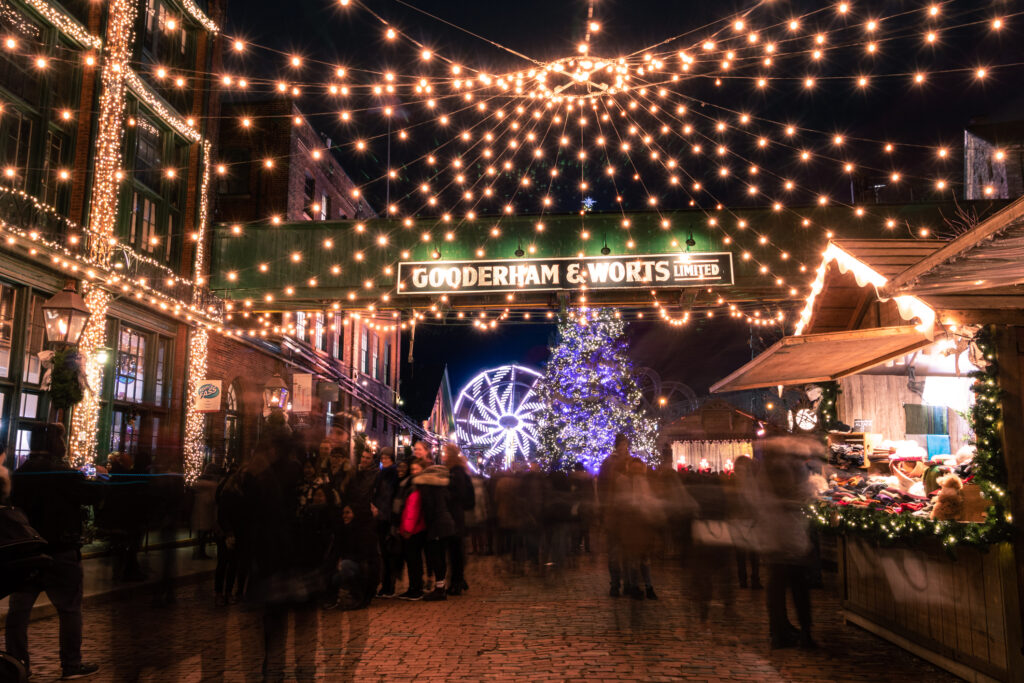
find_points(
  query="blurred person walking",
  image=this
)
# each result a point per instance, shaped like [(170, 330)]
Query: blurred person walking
[(744, 523), (785, 493), (461, 498), (712, 544), (638, 516), (582, 484), (612, 467), (52, 495)]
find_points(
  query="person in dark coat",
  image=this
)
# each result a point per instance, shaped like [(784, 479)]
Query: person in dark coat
[(359, 493), (712, 553), (356, 562), (269, 488), (232, 565), (124, 515), (784, 494), (384, 489), (432, 485), (613, 466), (461, 498), (52, 496), (582, 484)]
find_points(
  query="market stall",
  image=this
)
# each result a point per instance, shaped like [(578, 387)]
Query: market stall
[(711, 437), (914, 386)]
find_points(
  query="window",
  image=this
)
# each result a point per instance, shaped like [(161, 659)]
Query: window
[(34, 337), (17, 74), (339, 337), (300, 326), (54, 160), (387, 363), (153, 222), (163, 363), (325, 206), (318, 331), (29, 407), (148, 153), (124, 431), (308, 196), (6, 329), (144, 232), (232, 424), (364, 352), (375, 362), (161, 43), (21, 446), (17, 144), (131, 366)]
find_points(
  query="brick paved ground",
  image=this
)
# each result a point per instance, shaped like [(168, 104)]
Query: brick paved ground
[(504, 628)]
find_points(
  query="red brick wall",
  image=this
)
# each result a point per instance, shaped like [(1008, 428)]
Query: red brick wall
[(280, 190), (231, 361)]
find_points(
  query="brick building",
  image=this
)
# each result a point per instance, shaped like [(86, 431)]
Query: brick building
[(994, 154), (106, 160), (306, 182), (353, 360)]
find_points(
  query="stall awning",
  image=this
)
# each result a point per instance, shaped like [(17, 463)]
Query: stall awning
[(823, 357)]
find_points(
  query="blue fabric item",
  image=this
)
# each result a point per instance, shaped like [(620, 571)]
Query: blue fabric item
[(938, 444)]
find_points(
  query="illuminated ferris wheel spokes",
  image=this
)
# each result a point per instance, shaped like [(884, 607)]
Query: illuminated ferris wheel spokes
[(494, 413)]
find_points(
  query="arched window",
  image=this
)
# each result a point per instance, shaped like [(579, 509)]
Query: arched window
[(232, 424)]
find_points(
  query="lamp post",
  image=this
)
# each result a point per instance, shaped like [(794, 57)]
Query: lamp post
[(275, 394), (65, 315), (64, 318)]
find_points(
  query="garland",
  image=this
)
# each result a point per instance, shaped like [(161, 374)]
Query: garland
[(988, 471), (827, 409)]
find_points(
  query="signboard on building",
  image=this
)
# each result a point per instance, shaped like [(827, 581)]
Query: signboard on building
[(208, 396), (628, 271), (302, 393)]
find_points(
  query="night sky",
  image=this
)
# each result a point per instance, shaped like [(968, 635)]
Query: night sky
[(893, 110)]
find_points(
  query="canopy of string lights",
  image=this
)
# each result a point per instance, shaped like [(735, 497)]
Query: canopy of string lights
[(691, 144)]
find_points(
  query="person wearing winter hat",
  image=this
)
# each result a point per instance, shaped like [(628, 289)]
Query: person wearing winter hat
[(432, 485)]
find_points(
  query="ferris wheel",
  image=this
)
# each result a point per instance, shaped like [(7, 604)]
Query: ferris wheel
[(494, 413)]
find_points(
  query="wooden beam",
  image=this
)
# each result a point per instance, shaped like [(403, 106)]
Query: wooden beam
[(866, 297), (984, 230), (980, 316), (969, 302)]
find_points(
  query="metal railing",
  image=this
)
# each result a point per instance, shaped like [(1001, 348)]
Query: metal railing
[(24, 212)]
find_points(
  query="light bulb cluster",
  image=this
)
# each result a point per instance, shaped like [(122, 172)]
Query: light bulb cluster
[(471, 84)]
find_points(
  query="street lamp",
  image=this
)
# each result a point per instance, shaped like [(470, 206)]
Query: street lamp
[(275, 393), (64, 315)]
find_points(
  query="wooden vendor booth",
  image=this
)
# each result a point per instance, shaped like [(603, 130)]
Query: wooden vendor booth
[(711, 437), (918, 345)]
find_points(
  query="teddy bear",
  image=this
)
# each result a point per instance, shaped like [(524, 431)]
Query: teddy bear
[(949, 504)]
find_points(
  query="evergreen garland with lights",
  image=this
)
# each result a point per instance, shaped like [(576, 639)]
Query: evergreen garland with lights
[(588, 394), (988, 471), (827, 411)]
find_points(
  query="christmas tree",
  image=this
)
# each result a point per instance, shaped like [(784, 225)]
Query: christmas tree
[(588, 394)]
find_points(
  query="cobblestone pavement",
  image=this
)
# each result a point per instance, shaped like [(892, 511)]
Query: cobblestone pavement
[(533, 628)]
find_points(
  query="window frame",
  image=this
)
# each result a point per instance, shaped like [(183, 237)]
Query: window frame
[(169, 198)]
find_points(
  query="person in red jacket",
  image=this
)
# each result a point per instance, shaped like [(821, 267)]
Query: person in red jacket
[(413, 530)]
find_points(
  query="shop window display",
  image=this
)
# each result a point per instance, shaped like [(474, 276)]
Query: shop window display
[(932, 482)]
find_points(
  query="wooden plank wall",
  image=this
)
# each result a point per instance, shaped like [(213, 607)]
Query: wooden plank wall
[(964, 609), (880, 398)]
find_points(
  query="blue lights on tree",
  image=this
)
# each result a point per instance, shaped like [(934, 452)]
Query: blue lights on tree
[(588, 394)]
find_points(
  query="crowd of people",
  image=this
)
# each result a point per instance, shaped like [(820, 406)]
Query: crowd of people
[(300, 529)]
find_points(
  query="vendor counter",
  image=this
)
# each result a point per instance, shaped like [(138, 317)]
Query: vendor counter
[(956, 610)]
